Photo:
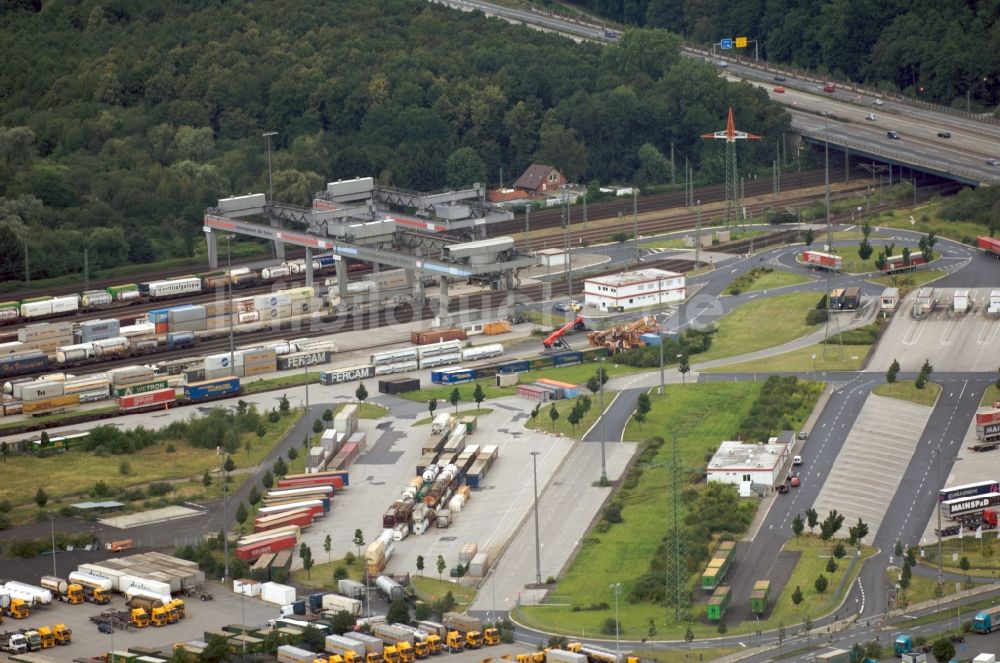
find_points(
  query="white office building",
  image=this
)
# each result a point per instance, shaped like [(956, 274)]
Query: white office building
[(743, 464), (642, 288)]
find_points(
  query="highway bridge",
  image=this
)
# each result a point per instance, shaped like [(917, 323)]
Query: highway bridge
[(933, 140)]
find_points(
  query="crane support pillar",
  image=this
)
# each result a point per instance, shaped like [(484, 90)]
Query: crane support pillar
[(309, 267), (279, 246), (213, 249), (342, 279), (443, 294)]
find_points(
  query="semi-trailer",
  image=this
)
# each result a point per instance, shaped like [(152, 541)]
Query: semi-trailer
[(987, 429), (338, 603), (986, 621), (963, 506), (41, 596), (95, 589), (63, 589), (389, 589), (597, 654), (470, 628), (370, 647), (349, 650), (759, 597), (292, 654), (424, 642), (401, 639)]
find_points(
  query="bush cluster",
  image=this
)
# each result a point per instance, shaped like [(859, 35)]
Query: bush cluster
[(781, 401)]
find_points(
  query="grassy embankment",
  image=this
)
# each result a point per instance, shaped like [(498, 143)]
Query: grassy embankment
[(906, 390)]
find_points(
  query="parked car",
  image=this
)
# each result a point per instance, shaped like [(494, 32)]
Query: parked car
[(944, 134), (105, 628), (782, 488), (797, 460), (561, 307), (803, 435)]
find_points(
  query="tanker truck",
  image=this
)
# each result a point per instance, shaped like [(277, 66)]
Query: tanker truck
[(62, 589), (97, 590), (38, 596)]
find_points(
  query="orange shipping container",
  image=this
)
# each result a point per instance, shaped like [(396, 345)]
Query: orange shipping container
[(161, 327), (437, 336), (496, 327), (51, 404)]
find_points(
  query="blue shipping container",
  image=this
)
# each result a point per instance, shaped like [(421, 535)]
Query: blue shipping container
[(203, 391), (567, 358), (473, 480), (19, 365), (180, 339), (453, 376), (650, 339), (522, 366), (158, 315)]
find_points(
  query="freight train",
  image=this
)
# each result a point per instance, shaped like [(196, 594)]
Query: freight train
[(40, 308)]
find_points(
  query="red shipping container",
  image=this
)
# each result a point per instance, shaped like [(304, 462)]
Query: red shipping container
[(990, 245), (316, 510), (436, 336), (252, 551), (300, 517), (317, 480), (157, 398), (161, 327), (986, 417)]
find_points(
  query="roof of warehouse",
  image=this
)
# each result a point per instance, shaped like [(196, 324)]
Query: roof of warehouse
[(733, 456), (97, 505)]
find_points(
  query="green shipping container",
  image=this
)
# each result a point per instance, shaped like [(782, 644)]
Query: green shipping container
[(759, 597), (718, 604), (133, 389), (127, 287), (8, 305)]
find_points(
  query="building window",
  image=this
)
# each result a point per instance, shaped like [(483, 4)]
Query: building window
[(746, 477)]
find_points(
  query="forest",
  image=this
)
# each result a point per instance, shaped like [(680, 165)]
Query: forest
[(938, 50), (122, 120)]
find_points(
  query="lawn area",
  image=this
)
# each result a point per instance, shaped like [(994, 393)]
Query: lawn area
[(909, 281), (461, 413), (926, 219), (921, 588), (763, 323), (852, 359), (623, 553), (281, 382), (983, 554), (320, 576), (366, 410), (70, 475), (431, 590), (990, 396), (905, 390), (577, 374), (854, 265), (777, 279), (663, 243), (813, 557), (564, 407)]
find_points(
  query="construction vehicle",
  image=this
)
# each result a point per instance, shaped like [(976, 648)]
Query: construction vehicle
[(18, 609), (48, 640), (13, 642), (623, 337), (63, 634), (555, 341), (63, 589), (96, 590), (470, 628)]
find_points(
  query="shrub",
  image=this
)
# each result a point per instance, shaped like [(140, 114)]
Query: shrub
[(171, 448), (816, 316), (159, 489)]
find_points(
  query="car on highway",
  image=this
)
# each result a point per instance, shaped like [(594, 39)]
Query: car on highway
[(561, 307), (797, 460), (779, 78), (722, 63), (877, 101), (993, 162), (779, 89), (829, 87), (944, 134), (892, 134), (870, 117), (795, 482)]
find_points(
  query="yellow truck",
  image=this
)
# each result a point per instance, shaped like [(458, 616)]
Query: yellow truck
[(63, 634), (139, 618), (47, 639), (18, 609), (390, 654), (177, 605), (470, 628), (159, 616), (62, 589)]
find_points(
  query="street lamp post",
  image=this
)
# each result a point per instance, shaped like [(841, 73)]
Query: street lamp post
[(270, 182), (538, 550), (604, 464), (305, 374), (52, 524), (229, 283), (617, 587), (225, 534)]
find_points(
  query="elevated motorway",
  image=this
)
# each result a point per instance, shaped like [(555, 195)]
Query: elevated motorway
[(962, 157)]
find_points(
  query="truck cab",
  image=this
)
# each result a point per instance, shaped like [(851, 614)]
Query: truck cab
[(177, 605), (34, 639), (159, 617), (18, 609), (63, 634), (97, 595), (405, 651), (172, 615), (74, 594), (455, 642), (491, 636), (390, 654), (902, 644), (47, 639), (434, 643), (421, 649), (139, 618), (15, 643), (473, 639)]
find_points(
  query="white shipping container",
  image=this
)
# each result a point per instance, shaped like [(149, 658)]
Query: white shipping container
[(38, 390), (222, 361), (246, 587), (66, 304), (112, 575), (339, 603), (174, 287), (127, 582), (36, 309), (277, 594), (139, 329)]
